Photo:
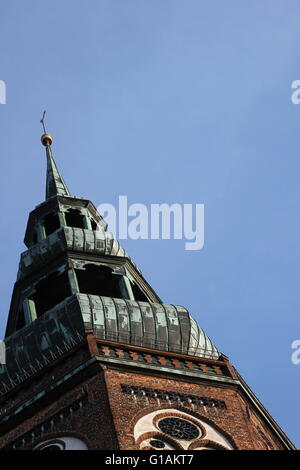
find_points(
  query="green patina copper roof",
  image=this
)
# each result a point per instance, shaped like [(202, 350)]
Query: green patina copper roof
[(146, 324), (149, 324), (55, 185), (97, 242)]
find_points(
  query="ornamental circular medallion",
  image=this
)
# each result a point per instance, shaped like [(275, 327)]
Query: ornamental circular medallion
[(179, 428)]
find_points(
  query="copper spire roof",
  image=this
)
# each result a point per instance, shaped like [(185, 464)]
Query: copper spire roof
[(55, 185)]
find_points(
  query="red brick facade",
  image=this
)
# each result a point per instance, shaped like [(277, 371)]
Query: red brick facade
[(96, 408), (232, 422)]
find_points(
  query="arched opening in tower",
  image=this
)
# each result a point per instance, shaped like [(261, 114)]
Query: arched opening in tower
[(74, 218), (57, 285), (138, 294), (51, 223), (100, 280)]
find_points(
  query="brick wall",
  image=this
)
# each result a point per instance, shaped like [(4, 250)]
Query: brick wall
[(92, 422), (234, 421), (103, 415)]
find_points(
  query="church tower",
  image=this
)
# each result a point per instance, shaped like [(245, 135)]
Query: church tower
[(95, 359)]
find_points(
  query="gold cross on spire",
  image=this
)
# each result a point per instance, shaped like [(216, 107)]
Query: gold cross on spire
[(43, 123), (46, 138)]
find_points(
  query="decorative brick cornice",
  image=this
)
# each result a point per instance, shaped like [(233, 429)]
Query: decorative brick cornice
[(174, 397), (163, 359)]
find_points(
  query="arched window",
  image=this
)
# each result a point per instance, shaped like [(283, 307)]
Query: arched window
[(62, 443), (173, 429)]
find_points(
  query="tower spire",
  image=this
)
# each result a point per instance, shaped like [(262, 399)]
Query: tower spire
[(55, 185)]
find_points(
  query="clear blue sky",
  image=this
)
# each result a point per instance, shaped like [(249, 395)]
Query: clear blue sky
[(171, 101)]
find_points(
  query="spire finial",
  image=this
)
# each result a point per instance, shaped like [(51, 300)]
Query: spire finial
[(55, 185), (42, 121), (46, 138)]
